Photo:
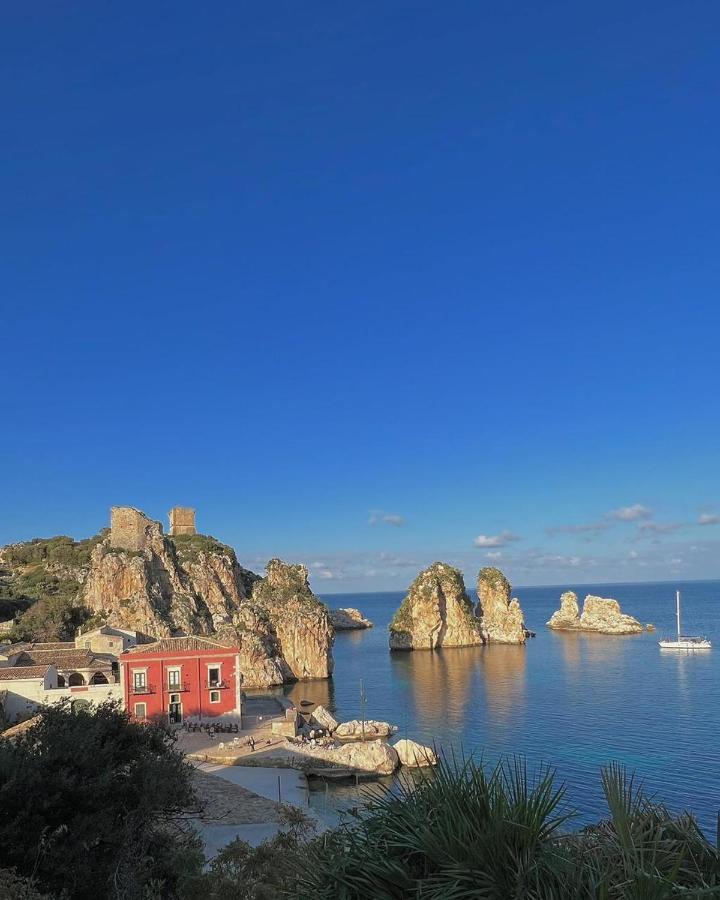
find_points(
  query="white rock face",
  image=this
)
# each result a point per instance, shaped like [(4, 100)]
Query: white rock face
[(568, 616), (320, 716), (414, 755), (600, 614), (502, 618), (371, 730), (365, 756), (348, 619)]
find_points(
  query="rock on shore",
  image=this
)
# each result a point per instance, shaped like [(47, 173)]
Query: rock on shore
[(367, 756), (501, 617), (348, 619), (602, 615), (414, 755), (369, 730), (436, 612)]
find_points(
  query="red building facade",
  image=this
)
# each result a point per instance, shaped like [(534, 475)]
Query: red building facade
[(182, 679)]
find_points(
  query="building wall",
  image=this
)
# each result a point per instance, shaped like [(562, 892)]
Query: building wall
[(24, 698), (128, 528), (182, 520), (195, 696), (110, 644)]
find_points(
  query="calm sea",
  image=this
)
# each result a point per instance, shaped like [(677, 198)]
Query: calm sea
[(575, 701)]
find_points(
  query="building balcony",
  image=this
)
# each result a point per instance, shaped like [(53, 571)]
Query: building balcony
[(217, 685), (177, 688), (142, 688)]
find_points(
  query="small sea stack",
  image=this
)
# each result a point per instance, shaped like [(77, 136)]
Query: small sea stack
[(600, 614), (502, 618), (348, 619)]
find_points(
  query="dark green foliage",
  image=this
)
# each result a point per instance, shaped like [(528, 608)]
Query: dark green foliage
[(91, 805), (190, 546), (39, 583), (461, 833)]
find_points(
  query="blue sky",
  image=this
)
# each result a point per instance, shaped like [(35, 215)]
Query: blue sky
[(368, 285)]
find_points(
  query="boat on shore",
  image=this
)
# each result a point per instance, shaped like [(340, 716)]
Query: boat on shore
[(684, 641)]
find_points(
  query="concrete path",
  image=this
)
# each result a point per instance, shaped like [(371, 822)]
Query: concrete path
[(293, 787)]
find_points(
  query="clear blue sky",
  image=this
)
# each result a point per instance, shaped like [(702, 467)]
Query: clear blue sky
[(367, 284)]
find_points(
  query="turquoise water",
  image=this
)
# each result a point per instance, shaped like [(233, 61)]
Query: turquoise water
[(576, 701)]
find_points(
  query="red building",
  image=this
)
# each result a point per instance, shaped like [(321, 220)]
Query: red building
[(180, 679)]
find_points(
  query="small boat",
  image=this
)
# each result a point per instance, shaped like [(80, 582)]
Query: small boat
[(683, 641)]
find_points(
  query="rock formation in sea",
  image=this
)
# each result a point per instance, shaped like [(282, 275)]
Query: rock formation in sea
[(135, 576), (501, 617), (369, 730), (602, 615), (348, 619), (436, 612)]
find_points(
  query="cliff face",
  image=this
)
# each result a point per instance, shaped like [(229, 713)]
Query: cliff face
[(602, 615), (437, 612), (502, 618), (186, 584), (300, 621)]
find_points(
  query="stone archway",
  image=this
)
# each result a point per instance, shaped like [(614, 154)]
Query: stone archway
[(61, 681), (76, 679), (99, 678)]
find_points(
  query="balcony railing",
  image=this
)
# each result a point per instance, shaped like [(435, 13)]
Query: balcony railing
[(217, 685), (142, 688), (176, 688)]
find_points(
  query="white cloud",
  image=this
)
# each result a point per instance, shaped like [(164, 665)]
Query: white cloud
[(378, 517), (658, 527), (494, 554), (325, 573), (630, 513), (495, 540), (633, 554), (708, 519)]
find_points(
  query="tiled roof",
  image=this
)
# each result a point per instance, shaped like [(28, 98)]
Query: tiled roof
[(63, 659), (13, 673), (49, 645), (173, 645)]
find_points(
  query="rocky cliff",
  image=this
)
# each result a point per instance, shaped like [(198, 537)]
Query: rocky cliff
[(185, 584), (602, 615), (501, 617), (436, 612)]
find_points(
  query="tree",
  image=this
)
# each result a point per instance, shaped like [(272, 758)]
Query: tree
[(92, 806)]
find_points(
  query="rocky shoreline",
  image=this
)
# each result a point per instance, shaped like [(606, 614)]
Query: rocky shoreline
[(600, 615)]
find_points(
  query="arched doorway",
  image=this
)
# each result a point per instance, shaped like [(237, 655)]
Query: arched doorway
[(99, 678), (61, 681), (76, 679)]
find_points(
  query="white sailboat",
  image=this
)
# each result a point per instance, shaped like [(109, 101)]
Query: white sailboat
[(683, 641)]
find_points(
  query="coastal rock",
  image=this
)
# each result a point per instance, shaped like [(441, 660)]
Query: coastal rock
[(414, 755), (605, 615), (367, 756), (371, 730), (320, 716), (348, 619), (502, 618), (599, 614), (299, 620), (568, 616), (436, 612)]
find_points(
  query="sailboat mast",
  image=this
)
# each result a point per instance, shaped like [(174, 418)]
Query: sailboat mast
[(677, 600)]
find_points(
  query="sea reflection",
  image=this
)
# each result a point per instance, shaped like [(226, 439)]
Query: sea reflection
[(320, 692), (503, 670), (438, 683)]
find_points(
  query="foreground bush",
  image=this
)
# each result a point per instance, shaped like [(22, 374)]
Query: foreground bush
[(91, 806), (465, 833)]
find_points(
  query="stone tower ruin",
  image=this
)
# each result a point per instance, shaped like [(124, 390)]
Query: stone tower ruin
[(129, 528), (182, 520)]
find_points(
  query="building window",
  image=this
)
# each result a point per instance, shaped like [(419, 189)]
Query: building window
[(174, 679), (140, 710), (87, 645), (139, 682), (214, 696), (214, 676), (111, 643)]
